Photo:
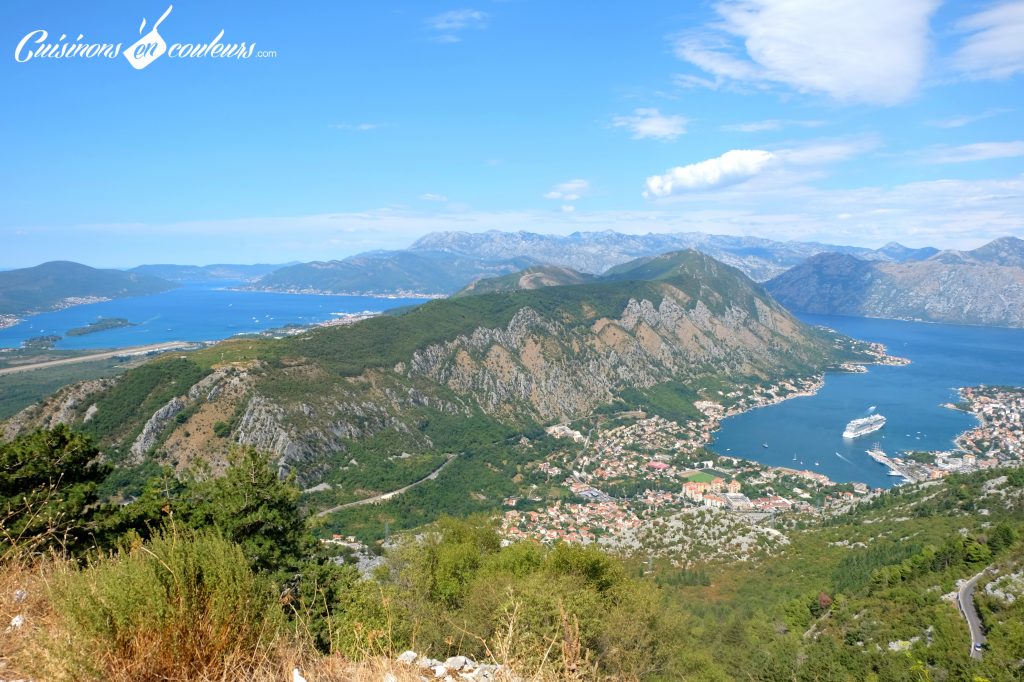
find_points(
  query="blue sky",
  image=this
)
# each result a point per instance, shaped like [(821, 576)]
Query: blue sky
[(370, 124)]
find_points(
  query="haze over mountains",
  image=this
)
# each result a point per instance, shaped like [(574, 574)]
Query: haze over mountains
[(49, 286), (207, 273), (444, 262), (391, 272), (983, 286)]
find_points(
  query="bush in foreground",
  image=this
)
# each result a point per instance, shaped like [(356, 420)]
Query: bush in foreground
[(182, 606)]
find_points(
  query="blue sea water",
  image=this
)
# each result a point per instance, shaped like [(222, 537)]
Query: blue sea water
[(943, 357), (194, 312)]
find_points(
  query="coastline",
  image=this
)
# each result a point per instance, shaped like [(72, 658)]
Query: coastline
[(910, 319), (809, 386), (322, 292), (8, 320)]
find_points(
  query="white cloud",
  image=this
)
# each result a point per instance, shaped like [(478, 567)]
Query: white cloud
[(430, 196), (995, 46), (651, 123), (449, 24), (967, 119), (735, 166), (767, 125), (360, 127), (870, 51), (979, 151), (776, 168), (568, 191), (568, 208)]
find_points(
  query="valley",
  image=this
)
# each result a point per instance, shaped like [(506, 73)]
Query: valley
[(512, 342)]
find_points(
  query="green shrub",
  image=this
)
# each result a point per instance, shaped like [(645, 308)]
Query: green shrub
[(182, 606)]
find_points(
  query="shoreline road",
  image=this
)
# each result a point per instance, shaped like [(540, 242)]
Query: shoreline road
[(965, 600), (384, 497), (106, 355)]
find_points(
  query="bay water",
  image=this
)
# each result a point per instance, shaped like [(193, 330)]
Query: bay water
[(806, 433)]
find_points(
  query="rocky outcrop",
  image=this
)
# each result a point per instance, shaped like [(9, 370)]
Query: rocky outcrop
[(153, 428), (261, 427), (455, 668), (63, 407), (544, 369)]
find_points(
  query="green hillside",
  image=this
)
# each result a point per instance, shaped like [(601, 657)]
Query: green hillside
[(465, 375), (530, 278), (48, 286), (419, 272)]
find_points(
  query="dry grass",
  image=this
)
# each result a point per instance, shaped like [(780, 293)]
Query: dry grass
[(38, 649)]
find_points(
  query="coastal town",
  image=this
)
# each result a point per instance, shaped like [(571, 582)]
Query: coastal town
[(998, 440), (632, 472), (635, 481)]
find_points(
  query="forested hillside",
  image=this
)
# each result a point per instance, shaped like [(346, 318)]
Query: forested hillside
[(222, 578)]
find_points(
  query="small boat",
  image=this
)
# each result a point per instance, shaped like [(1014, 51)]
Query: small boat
[(764, 445), (817, 464), (794, 456)]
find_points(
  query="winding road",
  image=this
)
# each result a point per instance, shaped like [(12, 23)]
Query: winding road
[(965, 600), (383, 497)]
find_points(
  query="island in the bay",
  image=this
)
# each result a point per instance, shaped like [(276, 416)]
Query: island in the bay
[(101, 325)]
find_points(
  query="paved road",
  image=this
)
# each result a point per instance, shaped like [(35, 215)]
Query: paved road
[(384, 497), (965, 600), (106, 355)]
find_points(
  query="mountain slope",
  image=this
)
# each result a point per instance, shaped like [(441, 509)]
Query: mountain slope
[(898, 253), (395, 272), (974, 287), (1006, 251), (530, 278), (206, 273), (51, 285), (449, 372)]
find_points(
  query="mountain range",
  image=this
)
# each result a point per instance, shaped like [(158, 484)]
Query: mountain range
[(661, 332), (442, 263), (57, 284), (984, 286)]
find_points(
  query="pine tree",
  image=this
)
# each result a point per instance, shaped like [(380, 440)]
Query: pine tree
[(252, 507), (48, 483)]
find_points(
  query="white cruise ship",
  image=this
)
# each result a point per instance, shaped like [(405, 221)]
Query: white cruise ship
[(861, 427)]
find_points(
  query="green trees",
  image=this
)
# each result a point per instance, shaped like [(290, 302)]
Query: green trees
[(48, 483), (255, 509), (462, 592)]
